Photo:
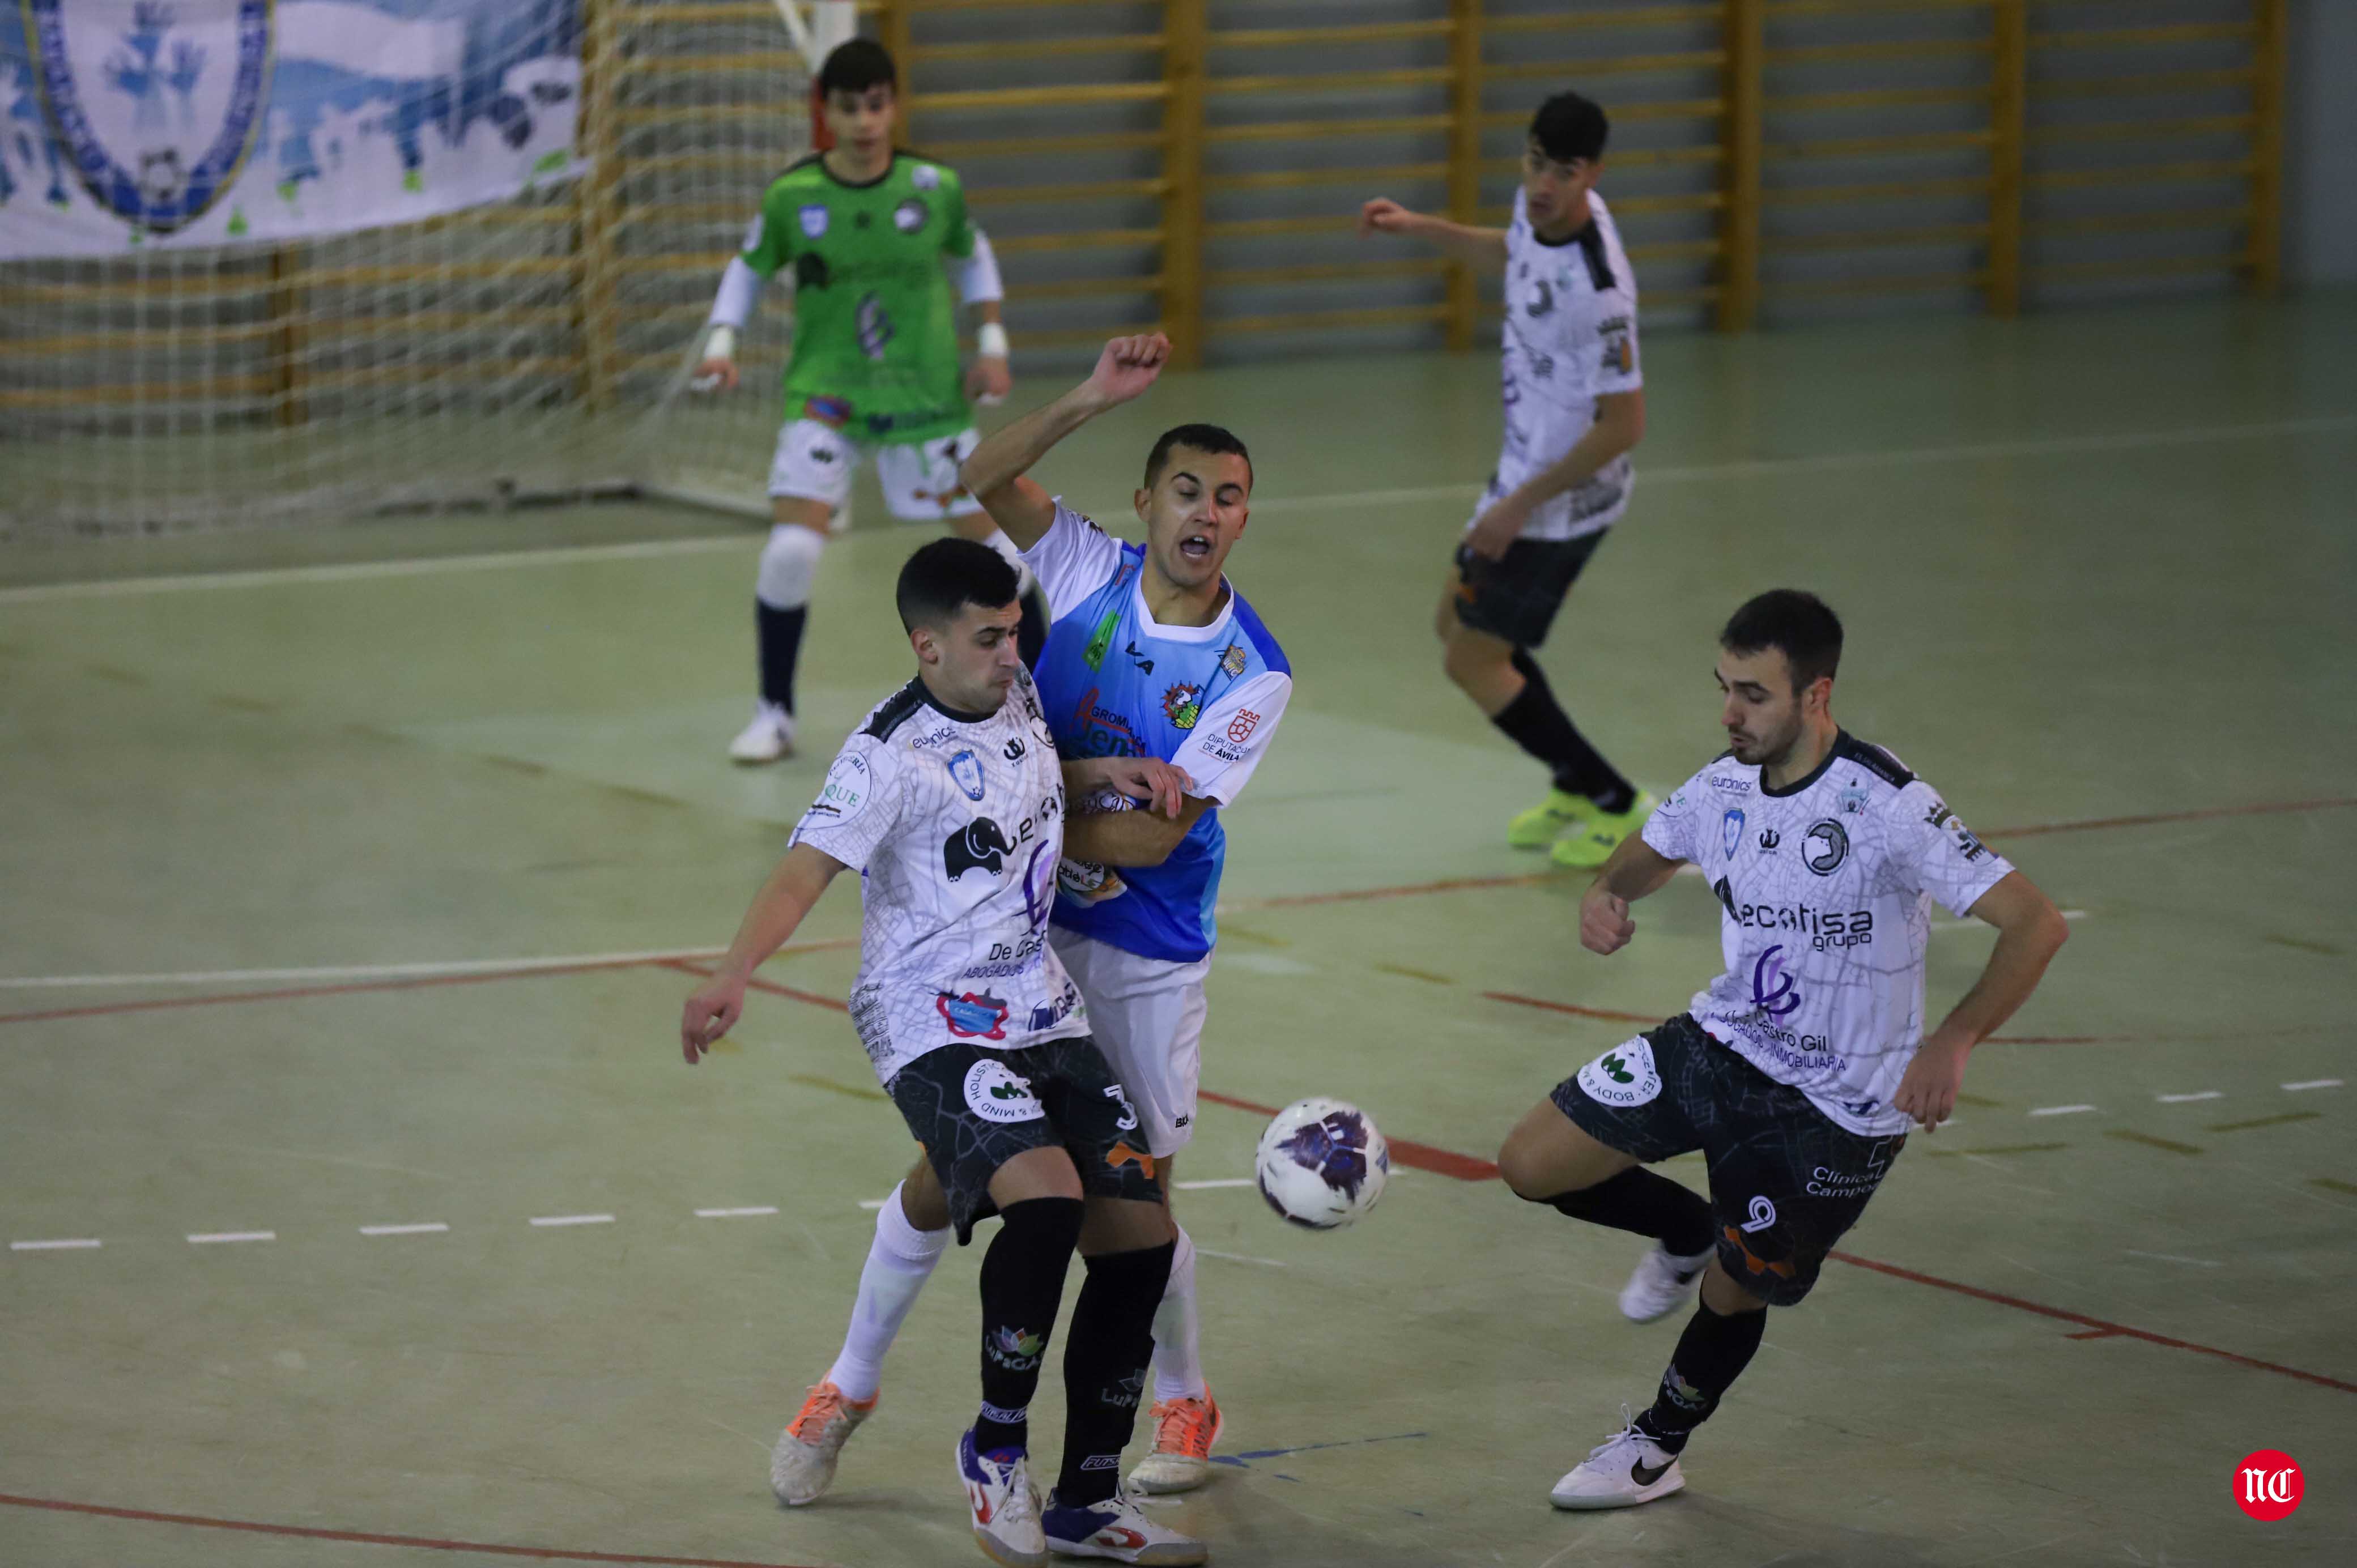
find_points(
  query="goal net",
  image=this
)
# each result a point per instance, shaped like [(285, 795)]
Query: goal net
[(303, 348)]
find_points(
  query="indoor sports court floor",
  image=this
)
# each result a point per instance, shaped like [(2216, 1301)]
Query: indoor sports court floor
[(339, 888)]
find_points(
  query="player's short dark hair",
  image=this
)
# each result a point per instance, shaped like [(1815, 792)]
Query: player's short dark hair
[(943, 577), (1202, 438), (1568, 126), (1800, 624), (857, 66)]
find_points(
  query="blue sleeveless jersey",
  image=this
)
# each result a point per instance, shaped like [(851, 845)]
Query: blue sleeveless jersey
[(1113, 684)]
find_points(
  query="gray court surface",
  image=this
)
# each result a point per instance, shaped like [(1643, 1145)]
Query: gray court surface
[(351, 878)]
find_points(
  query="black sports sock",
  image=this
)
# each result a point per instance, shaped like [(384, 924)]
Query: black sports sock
[(1646, 1202), (1536, 722), (1104, 1368), (1022, 1285), (780, 635), (1711, 1354)]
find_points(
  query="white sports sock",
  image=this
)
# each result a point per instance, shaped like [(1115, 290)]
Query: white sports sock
[(1178, 1332), (899, 1262)]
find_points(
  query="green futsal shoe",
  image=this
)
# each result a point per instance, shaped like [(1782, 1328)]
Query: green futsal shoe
[(1549, 820), (1588, 850)]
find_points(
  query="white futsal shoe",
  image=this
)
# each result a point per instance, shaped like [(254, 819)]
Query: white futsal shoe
[(801, 1467), (770, 736), (1662, 1282), (1619, 1473), (1006, 1509), (1117, 1529)]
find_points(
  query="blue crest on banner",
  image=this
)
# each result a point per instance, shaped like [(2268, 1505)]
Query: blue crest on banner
[(131, 120)]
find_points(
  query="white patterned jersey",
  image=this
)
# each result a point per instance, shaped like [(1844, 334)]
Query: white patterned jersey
[(1570, 337), (955, 824), (1826, 889)]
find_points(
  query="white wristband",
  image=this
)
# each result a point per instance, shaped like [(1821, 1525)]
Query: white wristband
[(990, 340), (721, 343)]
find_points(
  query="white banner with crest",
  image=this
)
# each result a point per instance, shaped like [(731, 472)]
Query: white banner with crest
[(136, 123)]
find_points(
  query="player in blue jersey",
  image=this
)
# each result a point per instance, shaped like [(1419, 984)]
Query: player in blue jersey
[(1152, 654)]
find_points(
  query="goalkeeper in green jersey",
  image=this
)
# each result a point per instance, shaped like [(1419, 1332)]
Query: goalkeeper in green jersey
[(867, 234)]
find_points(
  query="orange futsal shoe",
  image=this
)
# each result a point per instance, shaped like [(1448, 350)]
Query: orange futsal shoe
[(1184, 1431), (801, 1467)]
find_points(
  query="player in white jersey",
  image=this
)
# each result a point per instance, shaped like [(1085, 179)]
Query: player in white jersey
[(1574, 408), (1152, 653), (1799, 1071), (950, 802)]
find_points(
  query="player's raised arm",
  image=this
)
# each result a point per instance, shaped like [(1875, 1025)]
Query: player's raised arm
[(996, 472), (777, 909), (1459, 241)]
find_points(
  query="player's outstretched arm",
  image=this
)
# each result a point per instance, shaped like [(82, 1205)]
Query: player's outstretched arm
[(996, 473), (1635, 871), (740, 290), (2030, 931), (1132, 838), (777, 909), (1153, 783), (1459, 241)]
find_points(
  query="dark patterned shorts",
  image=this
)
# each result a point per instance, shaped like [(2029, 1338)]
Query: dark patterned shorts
[(1786, 1180), (1516, 597), (974, 1110)]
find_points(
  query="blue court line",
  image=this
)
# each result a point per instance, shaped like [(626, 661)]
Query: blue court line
[(1240, 1460)]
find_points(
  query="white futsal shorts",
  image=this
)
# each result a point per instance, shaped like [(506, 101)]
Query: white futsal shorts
[(1146, 1016), (814, 462)]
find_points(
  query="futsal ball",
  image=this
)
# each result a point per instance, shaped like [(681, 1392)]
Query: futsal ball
[(1322, 1164)]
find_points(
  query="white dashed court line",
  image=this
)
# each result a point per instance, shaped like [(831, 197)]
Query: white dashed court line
[(431, 1227), (1223, 1181), (872, 1204), (755, 1211), (2173, 1258), (2307, 1084), (2063, 1109), (573, 1220), (2189, 1098), (1241, 1258), (210, 1238), (63, 1244)]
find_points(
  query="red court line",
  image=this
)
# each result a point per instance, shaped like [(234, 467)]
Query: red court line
[(1605, 1013), (1416, 1156), (2101, 1328), (2155, 819), (369, 1538), (688, 966)]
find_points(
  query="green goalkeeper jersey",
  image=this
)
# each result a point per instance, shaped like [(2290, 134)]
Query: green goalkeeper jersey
[(875, 348)]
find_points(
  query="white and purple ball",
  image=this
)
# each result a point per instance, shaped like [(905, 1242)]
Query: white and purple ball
[(1322, 1164)]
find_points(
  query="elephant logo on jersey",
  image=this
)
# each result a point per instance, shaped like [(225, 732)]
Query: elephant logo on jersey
[(980, 845), (1773, 992), (1825, 846), (1182, 704)]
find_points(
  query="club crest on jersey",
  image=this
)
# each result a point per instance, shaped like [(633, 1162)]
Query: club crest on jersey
[(1182, 704), (1731, 830), (1852, 801), (909, 216), (966, 772), (813, 217), (1241, 727), (1232, 659), (1825, 846), (165, 140), (984, 1017), (925, 176)]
